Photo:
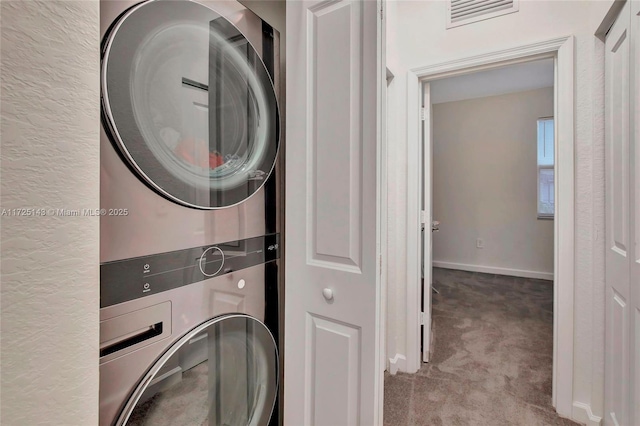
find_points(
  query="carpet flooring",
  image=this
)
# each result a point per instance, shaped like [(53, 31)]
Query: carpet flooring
[(492, 358)]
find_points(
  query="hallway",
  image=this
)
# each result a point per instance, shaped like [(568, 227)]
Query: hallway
[(492, 363)]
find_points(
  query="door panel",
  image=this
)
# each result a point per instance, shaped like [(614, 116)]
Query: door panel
[(334, 347), (335, 105), (618, 131), (618, 330), (617, 217), (332, 370)]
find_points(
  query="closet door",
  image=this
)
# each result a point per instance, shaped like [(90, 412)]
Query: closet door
[(622, 327), (333, 369), (634, 334)]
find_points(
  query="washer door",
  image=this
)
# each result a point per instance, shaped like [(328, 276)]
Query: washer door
[(189, 103), (224, 372)]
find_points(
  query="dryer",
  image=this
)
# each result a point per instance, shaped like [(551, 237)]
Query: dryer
[(198, 352), (190, 216)]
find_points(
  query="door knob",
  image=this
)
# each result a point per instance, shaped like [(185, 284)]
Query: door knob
[(435, 226), (328, 294)]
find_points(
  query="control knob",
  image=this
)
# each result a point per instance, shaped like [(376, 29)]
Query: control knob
[(212, 251)]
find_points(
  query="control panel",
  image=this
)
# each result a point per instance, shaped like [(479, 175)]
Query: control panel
[(130, 279)]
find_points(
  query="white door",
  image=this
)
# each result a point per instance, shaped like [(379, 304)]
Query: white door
[(634, 291), (333, 372), (427, 219), (622, 233)]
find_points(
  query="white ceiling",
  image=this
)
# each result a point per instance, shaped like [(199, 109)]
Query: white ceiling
[(499, 81)]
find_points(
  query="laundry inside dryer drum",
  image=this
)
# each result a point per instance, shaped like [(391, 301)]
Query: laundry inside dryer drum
[(224, 373), (189, 104)]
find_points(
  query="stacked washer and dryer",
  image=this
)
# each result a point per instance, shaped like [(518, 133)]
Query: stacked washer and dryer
[(190, 191)]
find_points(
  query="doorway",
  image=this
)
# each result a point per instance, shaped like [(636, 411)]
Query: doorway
[(489, 178), (561, 52), (490, 186)]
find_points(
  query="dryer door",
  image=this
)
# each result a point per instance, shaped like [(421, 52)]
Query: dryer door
[(189, 104), (224, 372)]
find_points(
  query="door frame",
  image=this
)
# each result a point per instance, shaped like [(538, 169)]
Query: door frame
[(382, 219), (563, 51)]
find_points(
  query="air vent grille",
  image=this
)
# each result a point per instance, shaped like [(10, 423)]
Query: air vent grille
[(461, 12)]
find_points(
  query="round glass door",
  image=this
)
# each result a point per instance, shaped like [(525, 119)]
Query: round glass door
[(189, 103), (223, 373)]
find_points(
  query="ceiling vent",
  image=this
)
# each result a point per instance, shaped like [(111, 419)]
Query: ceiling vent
[(462, 12)]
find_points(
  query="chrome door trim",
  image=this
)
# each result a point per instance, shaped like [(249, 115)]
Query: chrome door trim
[(124, 415), (113, 131)]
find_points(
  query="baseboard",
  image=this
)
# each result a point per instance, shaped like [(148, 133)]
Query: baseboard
[(397, 363), (581, 412), (494, 270)]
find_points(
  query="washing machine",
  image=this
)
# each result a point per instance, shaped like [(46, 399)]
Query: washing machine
[(190, 214)]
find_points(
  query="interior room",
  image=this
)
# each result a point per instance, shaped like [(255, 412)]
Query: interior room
[(344, 213), (489, 193), (492, 308)]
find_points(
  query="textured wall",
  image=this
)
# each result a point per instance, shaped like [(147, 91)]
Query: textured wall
[(421, 39), (50, 159), (485, 182)]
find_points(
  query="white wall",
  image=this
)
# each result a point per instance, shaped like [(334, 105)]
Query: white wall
[(417, 37), (485, 184), (50, 159)]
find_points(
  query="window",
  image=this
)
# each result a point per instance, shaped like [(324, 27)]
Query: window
[(546, 173)]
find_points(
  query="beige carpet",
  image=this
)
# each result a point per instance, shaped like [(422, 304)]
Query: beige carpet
[(492, 359)]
